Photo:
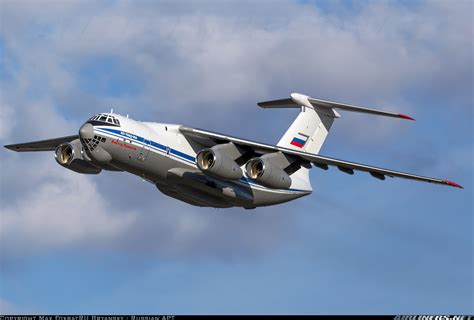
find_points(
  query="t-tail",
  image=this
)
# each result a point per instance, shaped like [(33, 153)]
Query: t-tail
[(310, 129)]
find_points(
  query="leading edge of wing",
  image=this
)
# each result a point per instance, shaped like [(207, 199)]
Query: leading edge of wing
[(314, 158), (41, 145)]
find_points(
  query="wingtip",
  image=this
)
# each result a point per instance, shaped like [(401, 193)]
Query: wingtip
[(404, 116), (453, 184)]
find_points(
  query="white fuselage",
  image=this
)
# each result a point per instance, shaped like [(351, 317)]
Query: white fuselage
[(160, 154)]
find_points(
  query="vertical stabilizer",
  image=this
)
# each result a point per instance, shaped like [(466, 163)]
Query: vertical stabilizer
[(309, 130)]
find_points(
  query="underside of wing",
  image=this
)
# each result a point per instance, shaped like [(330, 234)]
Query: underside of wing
[(210, 139), (379, 173), (42, 145)]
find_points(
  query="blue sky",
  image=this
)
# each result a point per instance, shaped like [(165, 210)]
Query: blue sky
[(113, 244)]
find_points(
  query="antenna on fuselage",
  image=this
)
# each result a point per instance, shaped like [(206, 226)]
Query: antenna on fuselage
[(127, 115), (111, 110)]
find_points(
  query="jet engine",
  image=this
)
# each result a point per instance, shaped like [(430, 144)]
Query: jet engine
[(216, 163), (267, 173), (70, 156)]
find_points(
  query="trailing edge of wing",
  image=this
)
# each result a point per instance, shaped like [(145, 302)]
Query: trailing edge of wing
[(318, 160), (42, 145)]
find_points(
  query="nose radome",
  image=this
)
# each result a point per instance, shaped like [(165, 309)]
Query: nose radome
[(86, 131)]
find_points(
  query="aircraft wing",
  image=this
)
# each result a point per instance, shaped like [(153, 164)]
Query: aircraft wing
[(42, 145), (208, 138)]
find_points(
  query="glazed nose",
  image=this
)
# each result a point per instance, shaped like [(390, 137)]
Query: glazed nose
[(86, 131)]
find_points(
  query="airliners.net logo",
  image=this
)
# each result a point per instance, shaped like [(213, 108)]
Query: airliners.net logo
[(434, 318)]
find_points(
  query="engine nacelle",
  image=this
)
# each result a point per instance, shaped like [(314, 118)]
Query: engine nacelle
[(267, 174), (70, 156), (216, 163)]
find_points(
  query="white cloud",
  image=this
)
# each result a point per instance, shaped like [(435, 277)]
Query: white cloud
[(63, 212), (196, 60), (228, 55), (7, 120), (46, 208)]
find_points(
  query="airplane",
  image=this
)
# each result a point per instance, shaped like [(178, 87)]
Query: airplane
[(209, 169)]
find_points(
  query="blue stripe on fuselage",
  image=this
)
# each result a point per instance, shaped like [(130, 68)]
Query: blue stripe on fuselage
[(183, 155), (150, 143)]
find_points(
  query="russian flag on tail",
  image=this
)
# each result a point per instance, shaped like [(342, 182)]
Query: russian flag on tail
[(299, 141)]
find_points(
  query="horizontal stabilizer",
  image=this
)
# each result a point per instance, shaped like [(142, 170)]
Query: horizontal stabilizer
[(298, 100), (281, 103)]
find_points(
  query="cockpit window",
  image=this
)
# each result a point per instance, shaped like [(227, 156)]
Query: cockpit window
[(105, 118)]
